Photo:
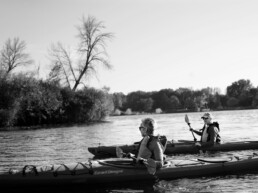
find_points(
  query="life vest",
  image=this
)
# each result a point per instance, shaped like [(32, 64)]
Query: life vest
[(162, 139), (214, 124)]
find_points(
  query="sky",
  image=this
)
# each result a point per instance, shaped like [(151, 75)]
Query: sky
[(157, 44)]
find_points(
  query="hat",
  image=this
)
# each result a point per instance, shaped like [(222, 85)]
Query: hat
[(207, 115)]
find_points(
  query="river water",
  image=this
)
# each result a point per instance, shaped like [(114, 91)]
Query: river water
[(69, 144)]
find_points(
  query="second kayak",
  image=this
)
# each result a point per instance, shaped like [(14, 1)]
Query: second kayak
[(186, 147)]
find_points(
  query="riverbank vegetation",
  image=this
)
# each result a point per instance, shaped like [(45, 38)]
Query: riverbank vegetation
[(64, 97), (239, 95), (27, 101)]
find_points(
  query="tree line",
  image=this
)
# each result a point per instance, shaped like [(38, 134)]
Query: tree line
[(239, 95), (63, 97), (27, 101)]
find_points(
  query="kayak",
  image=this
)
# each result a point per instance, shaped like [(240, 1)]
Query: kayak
[(113, 170), (172, 148)]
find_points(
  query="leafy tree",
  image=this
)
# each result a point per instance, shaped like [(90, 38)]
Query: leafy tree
[(184, 94), (39, 103), (9, 98), (90, 53), (102, 104), (245, 99), (214, 102), (190, 104), (26, 101), (238, 87), (85, 105), (210, 91), (255, 98), (161, 100), (174, 102), (165, 99), (134, 102), (119, 100), (13, 55), (223, 100), (241, 90), (232, 102), (200, 98), (146, 104)]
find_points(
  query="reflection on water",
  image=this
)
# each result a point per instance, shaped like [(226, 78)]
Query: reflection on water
[(69, 144)]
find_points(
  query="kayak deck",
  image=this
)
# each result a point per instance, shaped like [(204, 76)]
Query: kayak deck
[(123, 170)]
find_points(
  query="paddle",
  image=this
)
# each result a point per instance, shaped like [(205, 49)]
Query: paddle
[(184, 141), (149, 163), (189, 124)]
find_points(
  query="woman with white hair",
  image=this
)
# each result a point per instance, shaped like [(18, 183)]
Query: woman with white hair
[(150, 146)]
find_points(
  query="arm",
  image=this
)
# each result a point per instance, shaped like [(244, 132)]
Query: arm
[(158, 154), (197, 132)]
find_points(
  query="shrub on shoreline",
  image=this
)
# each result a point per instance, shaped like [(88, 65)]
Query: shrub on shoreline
[(26, 101)]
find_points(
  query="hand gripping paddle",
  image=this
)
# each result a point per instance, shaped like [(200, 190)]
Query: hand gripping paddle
[(150, 163)]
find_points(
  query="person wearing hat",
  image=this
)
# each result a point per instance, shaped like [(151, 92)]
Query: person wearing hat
[(150, 146), (209, 133)]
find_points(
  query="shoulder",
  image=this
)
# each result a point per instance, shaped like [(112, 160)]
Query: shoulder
[(213, 128), (214, 124), (153, 140), (156, 139)]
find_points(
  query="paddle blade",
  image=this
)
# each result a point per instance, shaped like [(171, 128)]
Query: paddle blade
[(119, 152), (187, 119)]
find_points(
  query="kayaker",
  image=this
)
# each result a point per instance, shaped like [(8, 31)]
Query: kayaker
[(209, 133), (150, 147)]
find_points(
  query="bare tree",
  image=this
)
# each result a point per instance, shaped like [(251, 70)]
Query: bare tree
[(13, 55), (62, 65), (91, 52)]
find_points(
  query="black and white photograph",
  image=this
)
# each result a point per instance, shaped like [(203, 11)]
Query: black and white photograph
[(129, 96)]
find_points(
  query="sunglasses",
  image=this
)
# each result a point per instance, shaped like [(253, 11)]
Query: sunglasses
[(205, 118), (141, 128)]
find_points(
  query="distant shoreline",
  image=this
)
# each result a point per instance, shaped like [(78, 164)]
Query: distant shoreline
[(183, 111), (50, 126)]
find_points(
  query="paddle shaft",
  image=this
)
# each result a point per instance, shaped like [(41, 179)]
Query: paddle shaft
[(132, 157), (189, 124), (200, 151)]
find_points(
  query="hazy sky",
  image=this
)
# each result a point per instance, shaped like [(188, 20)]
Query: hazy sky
[(158, 43)]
